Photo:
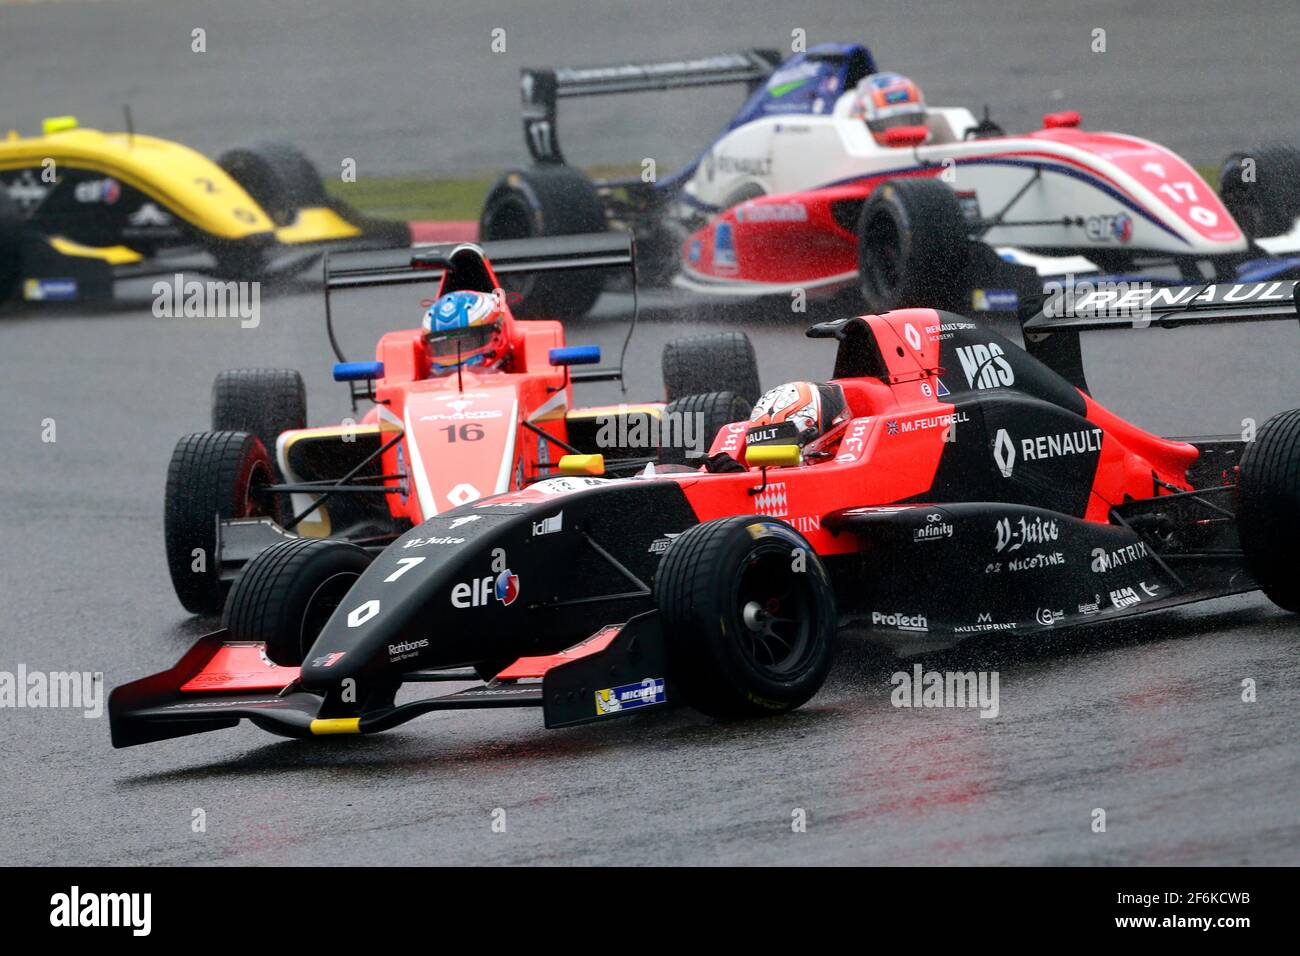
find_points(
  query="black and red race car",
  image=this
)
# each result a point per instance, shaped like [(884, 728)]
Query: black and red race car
[(955, 485)]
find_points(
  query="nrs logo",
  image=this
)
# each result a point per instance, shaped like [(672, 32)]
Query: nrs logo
[(985, 366)]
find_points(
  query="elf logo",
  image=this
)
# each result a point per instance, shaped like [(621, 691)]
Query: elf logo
[(504, 588), (985, 366)]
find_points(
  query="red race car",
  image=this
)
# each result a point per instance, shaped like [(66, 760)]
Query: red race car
[(945, 483), (471, 403)]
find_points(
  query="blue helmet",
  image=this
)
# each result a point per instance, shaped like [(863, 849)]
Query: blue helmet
[(465, 328)]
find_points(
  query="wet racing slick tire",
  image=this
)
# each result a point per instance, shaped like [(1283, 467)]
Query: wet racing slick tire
[(278, 176), (286, 594), (748, 617), (546, 201), (1268, 515), (1267, 202), (689, 425), (11, 229), (265, 402), (913, 248), (212, 475), (721, 362)]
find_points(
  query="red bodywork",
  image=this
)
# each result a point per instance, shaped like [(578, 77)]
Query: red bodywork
[(462, 434), (890, 449)]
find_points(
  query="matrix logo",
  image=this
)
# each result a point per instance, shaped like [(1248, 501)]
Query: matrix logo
[(985, 366)]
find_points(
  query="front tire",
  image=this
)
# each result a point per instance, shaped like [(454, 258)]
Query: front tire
[(913, 248), (212, 476), (1268, 515), (1269, 203), (287, 593), (748, 617), (721, 362), (277, 176), (546, 201), (265, 402)]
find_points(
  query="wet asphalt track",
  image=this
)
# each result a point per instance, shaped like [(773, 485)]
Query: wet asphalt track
[(1144, 720)]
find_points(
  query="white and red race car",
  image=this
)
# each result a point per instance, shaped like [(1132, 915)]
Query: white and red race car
[(798, 194)]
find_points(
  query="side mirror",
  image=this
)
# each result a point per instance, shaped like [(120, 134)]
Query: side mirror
[(906, 136), (591, 465), (778, 455), (575, 355), (358, 371), (1066, 119)]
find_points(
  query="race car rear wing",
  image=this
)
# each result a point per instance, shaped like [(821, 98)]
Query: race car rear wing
[(509, 257), (542, 89), (1051, 326)]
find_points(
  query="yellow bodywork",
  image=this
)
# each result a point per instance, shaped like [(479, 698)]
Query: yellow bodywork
[(186, 182), (113, 255)]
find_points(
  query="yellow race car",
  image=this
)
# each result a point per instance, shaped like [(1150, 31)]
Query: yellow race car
[(81, 209)]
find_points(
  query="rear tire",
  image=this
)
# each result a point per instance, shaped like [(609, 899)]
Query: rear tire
[(1268, 516), (287, 593), (546, 201), (265, 402), (278, 177), (913, 248), (11, 230), (722, 362), (747, 634), (1269, 205), (212, 475), (715, 409)]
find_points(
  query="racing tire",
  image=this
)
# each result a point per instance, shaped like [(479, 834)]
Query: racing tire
[(212, 475), (265, 402), (1268, 512), (538, 202), (1269, 205), (286, 594), (11, 230), (748, 617), (278, 176), (913, 248), (721, 362), (709, 413)]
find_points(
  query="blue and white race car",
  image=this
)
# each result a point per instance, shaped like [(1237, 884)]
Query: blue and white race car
[(837, 178)]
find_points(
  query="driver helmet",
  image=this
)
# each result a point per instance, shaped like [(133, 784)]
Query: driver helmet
[(465, 329), (797, 413), (887, 100)]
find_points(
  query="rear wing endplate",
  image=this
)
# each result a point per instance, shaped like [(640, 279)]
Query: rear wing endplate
[(542, 89)]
